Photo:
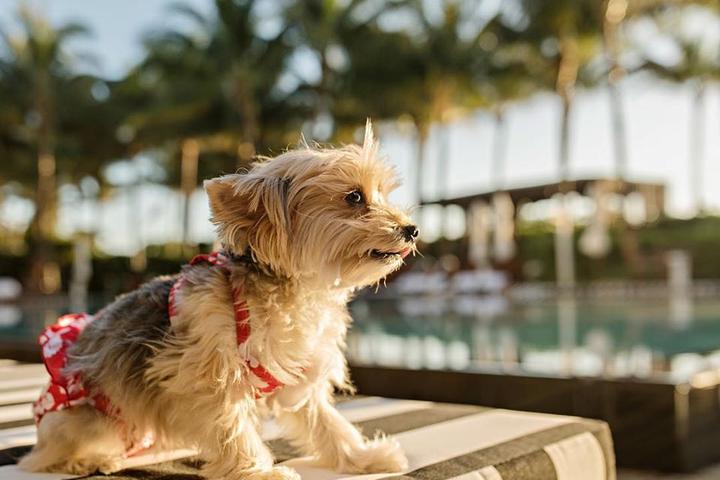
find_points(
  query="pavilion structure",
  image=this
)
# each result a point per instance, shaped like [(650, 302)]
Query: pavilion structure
[(654, 193), (491, 216)]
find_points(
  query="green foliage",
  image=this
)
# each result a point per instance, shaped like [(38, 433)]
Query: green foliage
[(230, 83), (698, 236), (38, 86), (215, 84)]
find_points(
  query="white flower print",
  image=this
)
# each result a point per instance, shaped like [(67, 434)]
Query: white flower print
[(44, 403), (54, 342)]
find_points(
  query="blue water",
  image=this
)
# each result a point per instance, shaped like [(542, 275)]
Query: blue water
[(658, 339)]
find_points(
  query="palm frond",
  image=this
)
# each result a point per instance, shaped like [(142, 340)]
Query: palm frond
[(190, 13)]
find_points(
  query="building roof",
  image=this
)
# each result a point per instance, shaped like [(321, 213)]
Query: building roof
[(534, 193)]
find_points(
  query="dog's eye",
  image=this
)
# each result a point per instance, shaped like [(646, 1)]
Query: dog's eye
[(355, 198)]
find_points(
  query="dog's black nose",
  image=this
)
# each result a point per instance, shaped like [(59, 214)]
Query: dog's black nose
[(410, 232)]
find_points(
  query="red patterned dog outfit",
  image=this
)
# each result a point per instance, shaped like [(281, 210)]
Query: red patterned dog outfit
[(64, 391)]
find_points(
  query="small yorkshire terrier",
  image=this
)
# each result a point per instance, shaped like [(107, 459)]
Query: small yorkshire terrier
[(196, 359)]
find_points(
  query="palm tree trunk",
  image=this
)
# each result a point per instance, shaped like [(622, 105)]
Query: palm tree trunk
[(138, 261), (564, 147), (43, 224), (248, 148), (565, 85), (46, 199), (615, 11), (420, 145), (619, 131), (323, 106), (499, 150), (443, 161), (443, 173), (564, 225), (697, 141), (190, 152)]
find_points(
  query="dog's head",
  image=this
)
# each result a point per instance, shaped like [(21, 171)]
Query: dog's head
[(318, 213)]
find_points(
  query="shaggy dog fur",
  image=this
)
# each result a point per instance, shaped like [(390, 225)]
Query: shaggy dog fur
[(305, 230)]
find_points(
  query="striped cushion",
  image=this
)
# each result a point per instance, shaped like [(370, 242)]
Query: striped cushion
[(441, 441)]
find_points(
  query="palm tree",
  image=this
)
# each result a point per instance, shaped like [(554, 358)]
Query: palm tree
[(566, 35), (387, 90), (452, 63), (697, 67), (612, 16), (511, 73), (334, 32), (444, 64), (369, 88), (212, 93), (35, 66), (35, 70)]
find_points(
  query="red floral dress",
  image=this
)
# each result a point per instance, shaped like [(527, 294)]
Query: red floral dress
[(64, 391)]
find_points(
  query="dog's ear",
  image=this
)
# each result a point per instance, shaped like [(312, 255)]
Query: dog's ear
[(240, 203), (220, 192), (228, 211)]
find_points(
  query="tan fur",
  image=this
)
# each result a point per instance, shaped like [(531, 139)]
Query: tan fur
[(311, 250), (62, 443)]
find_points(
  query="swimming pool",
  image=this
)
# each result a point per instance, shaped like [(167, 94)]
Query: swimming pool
[(658, 338)]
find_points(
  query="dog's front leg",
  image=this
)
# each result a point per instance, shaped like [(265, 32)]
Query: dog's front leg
[(320, 430), (240, 454)]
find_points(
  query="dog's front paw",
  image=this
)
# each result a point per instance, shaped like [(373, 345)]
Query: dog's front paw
[(274, 473), (380, 455), (92, 464)]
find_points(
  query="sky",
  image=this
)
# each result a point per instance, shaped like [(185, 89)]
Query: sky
[(657, 116), (117, 27)]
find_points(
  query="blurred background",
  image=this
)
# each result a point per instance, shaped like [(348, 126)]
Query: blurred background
[(561, 156)]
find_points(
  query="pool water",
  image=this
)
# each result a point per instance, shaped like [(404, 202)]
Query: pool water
[(655, 339)]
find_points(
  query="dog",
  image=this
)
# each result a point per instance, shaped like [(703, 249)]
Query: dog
[(197, 359)]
